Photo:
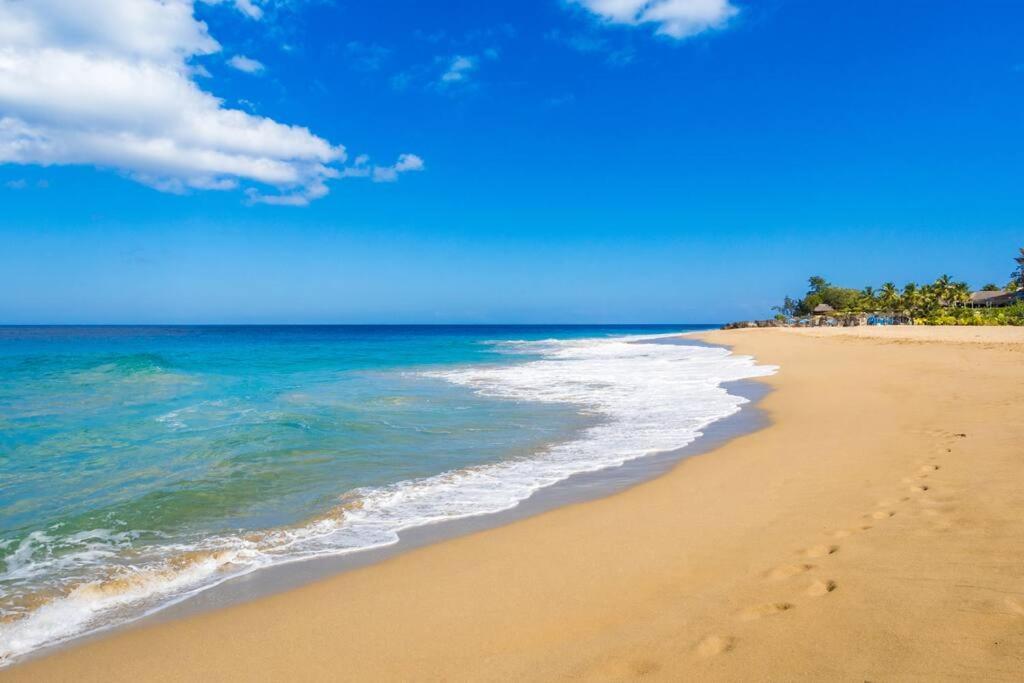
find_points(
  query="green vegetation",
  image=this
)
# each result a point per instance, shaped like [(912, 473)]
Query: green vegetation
[(942, 302), (1017, 276)]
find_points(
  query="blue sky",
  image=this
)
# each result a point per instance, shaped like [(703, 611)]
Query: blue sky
[(530, 161)]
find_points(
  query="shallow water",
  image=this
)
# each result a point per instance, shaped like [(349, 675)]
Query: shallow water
[(139, 465)]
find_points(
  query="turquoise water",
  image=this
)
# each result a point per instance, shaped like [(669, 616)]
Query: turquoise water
[(138, 465)]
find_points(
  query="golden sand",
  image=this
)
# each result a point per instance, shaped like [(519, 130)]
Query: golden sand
[(875, 531)]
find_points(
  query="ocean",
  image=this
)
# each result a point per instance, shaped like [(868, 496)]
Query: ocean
[(141, 465)]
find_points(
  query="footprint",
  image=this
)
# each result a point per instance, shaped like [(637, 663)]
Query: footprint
[(924, 469), (785, 571), (820, 588), (842, 533), (882, 514), (821, 550), (765, 610), (918, 488), (715, 645)]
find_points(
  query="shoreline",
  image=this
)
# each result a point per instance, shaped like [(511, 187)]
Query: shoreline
[(860, 510), (580, 487)]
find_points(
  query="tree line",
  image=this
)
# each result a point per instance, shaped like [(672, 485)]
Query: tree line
[(943, 301)]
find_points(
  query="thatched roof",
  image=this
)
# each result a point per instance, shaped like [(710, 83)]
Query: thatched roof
[(996, 298), (981, 297), (824, 308)]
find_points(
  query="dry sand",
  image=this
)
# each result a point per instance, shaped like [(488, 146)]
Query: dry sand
[(874, 532)]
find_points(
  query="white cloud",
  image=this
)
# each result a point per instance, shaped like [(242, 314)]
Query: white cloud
[(248, 8), (405, 163), (108, 83), (459, 68), (408, 162), (361, 168), (675, 18), (21, 184), (246, 64)]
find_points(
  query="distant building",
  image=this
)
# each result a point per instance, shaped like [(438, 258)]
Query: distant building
[(994, 299), (823, 309)]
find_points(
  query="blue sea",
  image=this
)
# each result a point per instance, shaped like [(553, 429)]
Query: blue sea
[(139, 465)]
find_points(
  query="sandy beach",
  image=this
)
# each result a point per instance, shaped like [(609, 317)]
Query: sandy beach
[(874, 531)]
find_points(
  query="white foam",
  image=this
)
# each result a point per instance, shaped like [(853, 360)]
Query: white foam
[(651, 397)]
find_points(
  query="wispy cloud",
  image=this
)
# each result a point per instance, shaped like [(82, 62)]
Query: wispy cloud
[(366, 56), (21, 184), (459, 69), (246, 64), (459, 60), (250, 8), (111, 83), (581, 42), (560, 100), (362, 168), (589, 42), (675, 18)]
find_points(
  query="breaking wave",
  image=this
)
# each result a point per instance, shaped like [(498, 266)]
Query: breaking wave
[(647, 398)]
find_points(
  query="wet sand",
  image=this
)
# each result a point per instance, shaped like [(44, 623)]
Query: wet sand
[(875, 531)]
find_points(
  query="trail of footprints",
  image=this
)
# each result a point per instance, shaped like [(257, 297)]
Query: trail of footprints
[(820, 587)]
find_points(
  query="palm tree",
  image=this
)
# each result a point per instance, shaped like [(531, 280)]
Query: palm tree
[(960, 294), (889, 297), (931, 298), (817, 283), (911, 298), (1018, 274), (943, 289), (868, 299)]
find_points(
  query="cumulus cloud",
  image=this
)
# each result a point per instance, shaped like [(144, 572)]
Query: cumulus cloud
[(408, 162), (246, 64), (676, 18), (109, 83)]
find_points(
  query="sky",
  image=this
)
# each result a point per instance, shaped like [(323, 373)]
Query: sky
[(534, 161)]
